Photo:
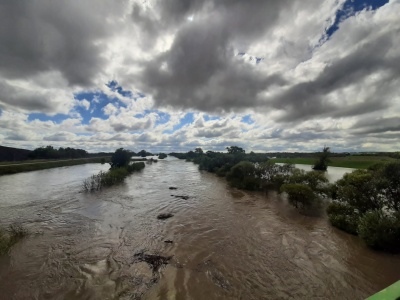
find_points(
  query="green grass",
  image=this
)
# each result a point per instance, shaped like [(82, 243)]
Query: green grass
[(26, 167), (355, 162)]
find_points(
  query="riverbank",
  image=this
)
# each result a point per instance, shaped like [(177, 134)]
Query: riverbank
[(18, 167), (354, 162)]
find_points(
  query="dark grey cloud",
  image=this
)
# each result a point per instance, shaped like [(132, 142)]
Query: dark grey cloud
[(379, 125), (309, 99), (58, 137), (39, 35), (200, 69), (22, 98)]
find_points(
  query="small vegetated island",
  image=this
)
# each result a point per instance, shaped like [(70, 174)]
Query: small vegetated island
[(121, 167), (365, 202)]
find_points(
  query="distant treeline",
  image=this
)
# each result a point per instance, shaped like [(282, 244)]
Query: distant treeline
[(49, 152), (13, 154)]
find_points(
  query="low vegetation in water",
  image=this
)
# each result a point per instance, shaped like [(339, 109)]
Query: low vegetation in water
[(364, 202), (121, 167), (367, 203), (10, 236)]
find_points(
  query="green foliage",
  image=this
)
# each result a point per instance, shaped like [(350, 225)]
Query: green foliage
[(359, 189), (49, 152), (235, 150), (300, 195), (120, 158), (322, 163), (243, 176), (144, 153), (162, 156), (113, 176), (343, 216), (198, 151), (135, 167), (316, 180), (367, 203), (380, 231)]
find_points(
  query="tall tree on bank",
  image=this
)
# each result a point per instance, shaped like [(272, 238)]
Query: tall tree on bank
[(322, 163)]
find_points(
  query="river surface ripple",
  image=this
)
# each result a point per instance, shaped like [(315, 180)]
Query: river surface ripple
[(227, 244)]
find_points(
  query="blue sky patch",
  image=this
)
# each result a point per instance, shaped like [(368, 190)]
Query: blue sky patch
[(187, 119), (98, 100), (350, 8), (43, 117), (210, 118), (247, 119)]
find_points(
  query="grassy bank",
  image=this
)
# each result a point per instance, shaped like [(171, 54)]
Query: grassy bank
[(34, 165), (355, 162)]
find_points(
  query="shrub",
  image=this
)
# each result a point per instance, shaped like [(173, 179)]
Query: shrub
[(242, 176), (120, 158), (322, 163), (162, 156), (359, 189), (380, 231), (136, 167), (343, 216), (111, 177), (300, 195)]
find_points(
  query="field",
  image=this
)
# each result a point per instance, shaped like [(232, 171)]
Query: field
[(352, 161), (26, 166)]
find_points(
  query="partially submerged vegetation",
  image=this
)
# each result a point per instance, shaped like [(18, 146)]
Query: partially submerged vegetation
[(121, 167), (10, 236), (367, 203), (364, 202)]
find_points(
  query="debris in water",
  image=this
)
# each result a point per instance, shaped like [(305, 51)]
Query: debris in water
[(168, 241), (173, 188), (155, 261), (182, 197), (164, 216)]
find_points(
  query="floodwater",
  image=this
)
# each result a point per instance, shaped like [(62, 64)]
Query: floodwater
[(226, 244)]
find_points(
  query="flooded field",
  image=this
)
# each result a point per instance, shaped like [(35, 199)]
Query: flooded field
[(221, 243)]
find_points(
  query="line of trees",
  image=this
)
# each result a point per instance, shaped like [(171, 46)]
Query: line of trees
[(364, 202), (49, 152)]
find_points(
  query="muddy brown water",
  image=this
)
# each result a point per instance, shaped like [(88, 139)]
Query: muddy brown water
[(226, 244)]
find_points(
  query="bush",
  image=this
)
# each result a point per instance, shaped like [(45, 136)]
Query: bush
[(121, 158), (380, 231), (111, 177), (359, 189), (343, 216), (162, 156), (242, 176), (300, 195)]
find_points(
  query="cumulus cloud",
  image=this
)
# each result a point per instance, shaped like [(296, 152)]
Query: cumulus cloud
[(148, 73)]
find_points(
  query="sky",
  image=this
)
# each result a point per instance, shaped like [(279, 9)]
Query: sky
[(173, 75)]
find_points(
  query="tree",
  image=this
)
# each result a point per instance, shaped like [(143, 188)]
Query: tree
[(198, 151), (235, 150), (243, 176), (162, 156), (322, 163), (300, 195), (120, 158)]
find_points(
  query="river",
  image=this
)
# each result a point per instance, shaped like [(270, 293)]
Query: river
[(226, 244)]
